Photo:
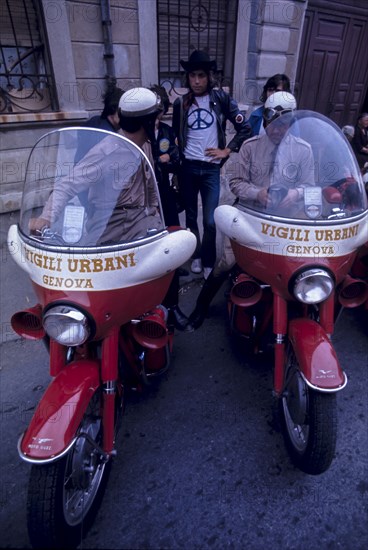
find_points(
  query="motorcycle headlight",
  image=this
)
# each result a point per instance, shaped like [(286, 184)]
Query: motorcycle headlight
[(66, 325), (313, 286)]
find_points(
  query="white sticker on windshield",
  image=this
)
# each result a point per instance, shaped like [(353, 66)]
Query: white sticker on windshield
[(73, 223), (313, 201)]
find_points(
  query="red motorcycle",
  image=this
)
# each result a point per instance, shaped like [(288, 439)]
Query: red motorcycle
[(359, 268), (294, 278), (100, 269)]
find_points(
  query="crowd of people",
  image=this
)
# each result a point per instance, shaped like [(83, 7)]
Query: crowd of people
[(194, 149)]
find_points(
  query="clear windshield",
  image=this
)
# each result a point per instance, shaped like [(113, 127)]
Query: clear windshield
[(87, 187), (301, 167)]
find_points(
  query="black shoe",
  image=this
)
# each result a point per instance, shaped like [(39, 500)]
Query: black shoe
[(177, 318), (196, 318)]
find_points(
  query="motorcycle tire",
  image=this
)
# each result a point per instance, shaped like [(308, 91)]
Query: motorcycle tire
[(308, 420), (64, 496)]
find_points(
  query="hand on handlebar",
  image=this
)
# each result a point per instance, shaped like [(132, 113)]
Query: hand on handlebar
[(291, 197), (37, 224), (265, 199)]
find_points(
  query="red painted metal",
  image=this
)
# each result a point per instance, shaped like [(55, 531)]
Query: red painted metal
[(315, 354), (277, 270), (109, 374), (61, 410), (326, 314), (57, 358), (110, 308), (28, 323), (279, 328), (279, 370), (280, 318)]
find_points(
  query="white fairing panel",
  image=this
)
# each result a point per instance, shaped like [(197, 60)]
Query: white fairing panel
[(102, 270)]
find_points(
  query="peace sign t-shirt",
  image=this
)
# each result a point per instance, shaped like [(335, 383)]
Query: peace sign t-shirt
[(202, 131)]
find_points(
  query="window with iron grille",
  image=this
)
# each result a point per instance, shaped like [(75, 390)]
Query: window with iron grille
[(187, 25), (26, 83)]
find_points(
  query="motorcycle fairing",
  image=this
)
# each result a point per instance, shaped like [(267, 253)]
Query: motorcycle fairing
[(110, 308), (292, 238), (316, 356), (59, 413), (102, 270)]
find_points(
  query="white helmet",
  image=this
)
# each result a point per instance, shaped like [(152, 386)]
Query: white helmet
[(139, 102), (278, 104), (281, 101)]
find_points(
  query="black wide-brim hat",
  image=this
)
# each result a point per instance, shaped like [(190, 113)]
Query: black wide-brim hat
[(198, 60)]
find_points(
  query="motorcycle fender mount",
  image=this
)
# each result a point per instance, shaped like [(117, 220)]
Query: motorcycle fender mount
[(316, 356), (53, 428)]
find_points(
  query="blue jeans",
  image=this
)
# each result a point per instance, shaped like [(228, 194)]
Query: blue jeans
[(204, 178)]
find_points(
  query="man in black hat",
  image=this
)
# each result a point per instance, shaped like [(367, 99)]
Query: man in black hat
[(199, 121)]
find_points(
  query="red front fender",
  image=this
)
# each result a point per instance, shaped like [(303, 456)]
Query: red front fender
[(316, 356), (60, 412)]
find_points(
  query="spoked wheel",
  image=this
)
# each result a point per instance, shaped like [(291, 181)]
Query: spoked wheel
[(64, 496), (309, 422)]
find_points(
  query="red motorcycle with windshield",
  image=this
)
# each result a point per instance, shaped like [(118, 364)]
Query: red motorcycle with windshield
[(100, 269), (294, 277)]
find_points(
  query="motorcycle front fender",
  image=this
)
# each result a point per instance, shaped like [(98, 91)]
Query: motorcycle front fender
[(54, 425), (316, 356)]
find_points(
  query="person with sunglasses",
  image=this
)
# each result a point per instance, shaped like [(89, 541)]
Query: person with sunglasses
[(262, 161), (267, 159)]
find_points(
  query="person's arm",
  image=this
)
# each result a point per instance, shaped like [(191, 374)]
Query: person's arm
[(171, 158), (301, 173), (231, 112), (241, 126), (255, 121), (176, 123), (55, 204), (173, 151), (71, 185), (358, 141), (239, 170)]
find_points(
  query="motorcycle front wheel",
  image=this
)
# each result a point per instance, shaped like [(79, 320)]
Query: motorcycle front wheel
[(308, 421), (64, 496)]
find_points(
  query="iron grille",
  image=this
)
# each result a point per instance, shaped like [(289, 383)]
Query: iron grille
[(26, 84), (187, 25)]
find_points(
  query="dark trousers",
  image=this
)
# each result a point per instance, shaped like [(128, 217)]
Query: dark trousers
[(204, 178), (168, 200)]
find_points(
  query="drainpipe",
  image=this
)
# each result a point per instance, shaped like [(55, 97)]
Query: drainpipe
[(108, 44)]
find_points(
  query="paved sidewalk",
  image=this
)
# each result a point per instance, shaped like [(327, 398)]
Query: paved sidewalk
[(15, 286)]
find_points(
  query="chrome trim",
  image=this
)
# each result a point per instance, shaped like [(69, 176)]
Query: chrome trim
[(105, 456), (71, 312), (43, 460), (146, 376), (109, 387), (325, 277), (324, 390), (74, 316), (163, 369), (293, 221), (35, 243)]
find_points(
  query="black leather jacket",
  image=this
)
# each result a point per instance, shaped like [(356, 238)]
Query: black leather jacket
[(165, 143), (225, 108)]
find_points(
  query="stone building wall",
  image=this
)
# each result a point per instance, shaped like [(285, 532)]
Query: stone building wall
[(76, 43), (267, 41), (275, 30)]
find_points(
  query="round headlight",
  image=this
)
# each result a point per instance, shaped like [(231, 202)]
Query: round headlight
[(66, 325), (313, 286)]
